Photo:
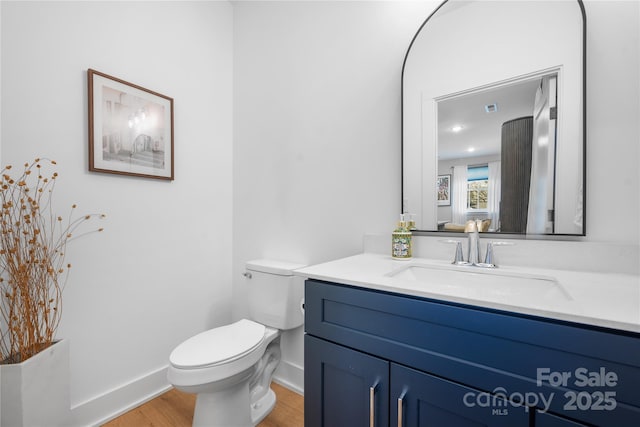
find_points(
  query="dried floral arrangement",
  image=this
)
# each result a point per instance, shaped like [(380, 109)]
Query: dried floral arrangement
[(33, 270)]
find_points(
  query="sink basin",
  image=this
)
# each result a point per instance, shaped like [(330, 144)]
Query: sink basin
[(472, 281)]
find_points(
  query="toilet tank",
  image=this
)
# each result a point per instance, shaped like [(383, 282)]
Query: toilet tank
[(275, 294)]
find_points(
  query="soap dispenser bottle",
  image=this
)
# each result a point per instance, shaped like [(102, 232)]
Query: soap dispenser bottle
[(401, 241)]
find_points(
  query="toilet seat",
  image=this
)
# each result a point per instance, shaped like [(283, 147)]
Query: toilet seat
[(219, 345)]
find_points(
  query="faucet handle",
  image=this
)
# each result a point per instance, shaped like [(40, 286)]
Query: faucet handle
[(488, 259), (459, 258)]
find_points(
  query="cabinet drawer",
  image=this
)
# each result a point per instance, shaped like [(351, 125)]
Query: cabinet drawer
[(488, 349)]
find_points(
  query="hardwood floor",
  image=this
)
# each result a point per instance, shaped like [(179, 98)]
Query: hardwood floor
[(175, 409)]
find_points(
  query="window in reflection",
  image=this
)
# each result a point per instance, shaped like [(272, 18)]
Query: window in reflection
[(477, 188)]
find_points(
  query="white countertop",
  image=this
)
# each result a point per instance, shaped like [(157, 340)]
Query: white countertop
[(599, 299)]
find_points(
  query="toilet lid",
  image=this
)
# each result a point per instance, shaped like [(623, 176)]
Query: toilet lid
[(218, 345)]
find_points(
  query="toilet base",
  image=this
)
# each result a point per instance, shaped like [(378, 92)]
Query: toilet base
[(262, 408), (228, 408)]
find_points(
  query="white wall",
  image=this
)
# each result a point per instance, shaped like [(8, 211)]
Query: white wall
[(317, 129), (613, 128), (161, 271)]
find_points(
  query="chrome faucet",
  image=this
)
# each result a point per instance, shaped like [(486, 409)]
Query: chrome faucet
[(473, 251)]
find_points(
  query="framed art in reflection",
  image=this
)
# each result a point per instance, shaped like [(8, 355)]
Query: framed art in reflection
[(443, 188)]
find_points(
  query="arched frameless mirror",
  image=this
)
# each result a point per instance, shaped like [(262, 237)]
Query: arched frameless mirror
[(493, 118)]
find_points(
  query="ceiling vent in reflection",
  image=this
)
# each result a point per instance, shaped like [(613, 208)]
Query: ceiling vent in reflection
[(491, 108)]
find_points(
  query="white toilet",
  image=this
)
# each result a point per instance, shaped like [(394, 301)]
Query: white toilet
[(230, 367)]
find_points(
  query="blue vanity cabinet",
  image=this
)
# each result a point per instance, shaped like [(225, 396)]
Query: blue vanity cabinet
[(456, 365)]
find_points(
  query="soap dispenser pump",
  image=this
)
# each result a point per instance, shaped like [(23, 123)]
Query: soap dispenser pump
[(401, 241)]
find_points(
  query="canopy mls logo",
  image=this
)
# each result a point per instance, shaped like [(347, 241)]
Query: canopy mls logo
[(592, 394), (499, 400)]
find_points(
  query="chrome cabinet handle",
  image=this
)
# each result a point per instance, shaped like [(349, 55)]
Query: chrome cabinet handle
[(400, 408), (372, 405)]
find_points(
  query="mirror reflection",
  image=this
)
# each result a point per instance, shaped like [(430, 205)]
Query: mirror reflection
[(493, 125)]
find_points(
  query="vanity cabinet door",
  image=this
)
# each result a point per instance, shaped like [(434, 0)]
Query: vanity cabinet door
[(344, 387), (544, 419), (420, 399)]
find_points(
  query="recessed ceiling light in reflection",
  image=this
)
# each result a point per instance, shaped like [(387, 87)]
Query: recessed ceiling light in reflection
[(456, 128)]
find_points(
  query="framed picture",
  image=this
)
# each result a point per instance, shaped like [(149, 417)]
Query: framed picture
[(443, 188), (130, 128)]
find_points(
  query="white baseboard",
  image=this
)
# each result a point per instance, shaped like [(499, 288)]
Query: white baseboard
[(113, 403), (290, 376), (109, 405)]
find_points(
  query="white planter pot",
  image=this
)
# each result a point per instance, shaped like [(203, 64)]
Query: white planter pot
[(36, 392)]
